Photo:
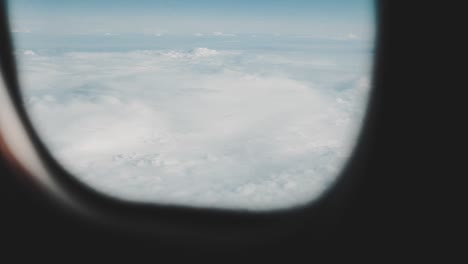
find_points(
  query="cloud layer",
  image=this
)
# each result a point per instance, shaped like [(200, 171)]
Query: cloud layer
[(219, 127)]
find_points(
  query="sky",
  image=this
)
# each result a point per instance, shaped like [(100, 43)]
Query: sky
[(311, 17), (254, 105)]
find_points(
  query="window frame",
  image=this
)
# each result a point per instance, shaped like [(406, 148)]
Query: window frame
[(321, 216)]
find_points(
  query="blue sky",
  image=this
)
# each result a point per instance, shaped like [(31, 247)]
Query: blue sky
[(187, 16)]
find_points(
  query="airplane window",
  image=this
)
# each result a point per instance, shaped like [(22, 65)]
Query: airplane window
[(250, 105)]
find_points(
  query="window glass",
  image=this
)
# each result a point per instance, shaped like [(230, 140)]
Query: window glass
[(229, 104)]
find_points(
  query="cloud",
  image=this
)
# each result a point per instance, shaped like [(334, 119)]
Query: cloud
[(221, 34), (194, 53), (352, 36), (29, 53), (201, 126), (21, 30)]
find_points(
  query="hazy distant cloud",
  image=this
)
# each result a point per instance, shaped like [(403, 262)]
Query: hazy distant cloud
[(154, 32), (21, 30), (29, 53), (221, 34), (191, 54), (216, 33), (109, 34), (352, 36)]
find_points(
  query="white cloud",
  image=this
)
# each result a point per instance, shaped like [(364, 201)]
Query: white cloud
[(352, 36), (221, 34), (200, 126), (204, 52), (29, 52), (194, 53), (21, 30)]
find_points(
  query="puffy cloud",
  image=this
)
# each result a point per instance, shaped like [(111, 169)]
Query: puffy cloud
[(201, 126)]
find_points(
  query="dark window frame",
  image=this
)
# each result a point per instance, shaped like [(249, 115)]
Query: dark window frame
[(322, 216)]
